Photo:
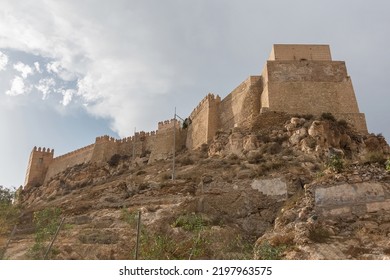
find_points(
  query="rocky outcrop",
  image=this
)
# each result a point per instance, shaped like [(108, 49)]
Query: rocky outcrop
[(304, 189)]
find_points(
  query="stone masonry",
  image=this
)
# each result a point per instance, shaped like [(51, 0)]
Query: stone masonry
[(296, 79)]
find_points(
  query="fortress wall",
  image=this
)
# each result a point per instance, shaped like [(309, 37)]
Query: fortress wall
[(242, 105), (105, 148), (162, 144), (204, 122), (301, 71), (39, 162), (148, 142), (299, 52), (358, 120), (312, 87), (312, 98), (73, 158)]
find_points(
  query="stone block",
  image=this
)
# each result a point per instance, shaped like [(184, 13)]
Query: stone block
[(271, 187)]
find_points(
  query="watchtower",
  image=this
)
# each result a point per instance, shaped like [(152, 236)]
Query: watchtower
[(40, 159)]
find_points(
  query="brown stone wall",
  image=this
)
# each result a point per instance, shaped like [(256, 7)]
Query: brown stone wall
[(300, 52), (242, 105), (204, 122), (39, 162), (73, 158), (162, 144), (311, 87), (105, 148)]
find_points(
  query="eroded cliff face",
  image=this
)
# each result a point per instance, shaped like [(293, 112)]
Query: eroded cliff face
[(288, 187)]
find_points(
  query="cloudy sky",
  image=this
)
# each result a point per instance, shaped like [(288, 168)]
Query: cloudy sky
[(73, 70)]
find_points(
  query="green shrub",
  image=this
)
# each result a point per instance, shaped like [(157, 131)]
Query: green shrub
[(265, 251), (328, 117), (114, 160), (335, 163), (375, 157), (46, 223), (190, 222), (319, 234), (9, 212), (387, 165)]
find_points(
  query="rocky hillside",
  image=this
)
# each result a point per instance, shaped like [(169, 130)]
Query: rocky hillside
[(287, 187)]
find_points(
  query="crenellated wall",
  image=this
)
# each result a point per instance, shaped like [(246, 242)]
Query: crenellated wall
[(73, 158), (204, 122), (162, 146), (242, 105), (297, 79), (38, 164)]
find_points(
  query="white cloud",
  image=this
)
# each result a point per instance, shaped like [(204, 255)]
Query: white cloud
[(46, 86), (3, 61), (37, 67), (17, 87), (67, 96), (25, 70), (111, 58)]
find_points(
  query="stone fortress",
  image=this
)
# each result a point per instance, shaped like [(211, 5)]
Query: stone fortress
[(296, 79)]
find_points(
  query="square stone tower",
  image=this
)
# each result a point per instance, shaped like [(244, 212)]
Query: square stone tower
[(39, 162), (303, 79)]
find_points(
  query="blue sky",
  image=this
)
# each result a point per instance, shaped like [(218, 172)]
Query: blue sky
[(73, 70)]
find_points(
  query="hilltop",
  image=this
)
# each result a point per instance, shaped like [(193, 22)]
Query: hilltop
[(287, 187)]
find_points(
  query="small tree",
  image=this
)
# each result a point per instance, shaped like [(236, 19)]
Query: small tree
[(6, 195)]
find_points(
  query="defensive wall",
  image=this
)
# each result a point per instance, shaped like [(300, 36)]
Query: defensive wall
[(311, 87), (204, 121), (43, 166), (39, 161), (296, 79), (162, 146)]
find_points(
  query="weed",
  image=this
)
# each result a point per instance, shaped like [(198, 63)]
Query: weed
[(387, 165), (318, 234), (271, 148), (114, 160), (355, 252), (375, 157), (186, 161), (130, 218), (265, 251), (335, 163), (328, 117), (294, 199), (140, 172), (190, 222)]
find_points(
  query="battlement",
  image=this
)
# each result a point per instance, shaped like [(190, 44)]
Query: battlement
[(39, 161), (75, 152), (43, 150), (168, 124), (209, 98)]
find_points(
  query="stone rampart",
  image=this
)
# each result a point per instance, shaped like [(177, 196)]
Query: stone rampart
[(204, 122), (162, 144), (297, 79), (38, 164), (60, 163), (242, 105), (311, 87)]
